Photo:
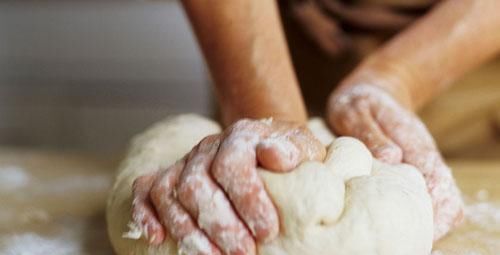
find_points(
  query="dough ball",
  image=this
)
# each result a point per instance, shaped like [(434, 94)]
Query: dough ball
[(347, 205), (156, 148)]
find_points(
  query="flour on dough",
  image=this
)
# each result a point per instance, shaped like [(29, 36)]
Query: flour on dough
[(347, 205)]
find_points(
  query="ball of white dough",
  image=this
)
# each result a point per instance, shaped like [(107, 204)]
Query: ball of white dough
[(347, 205)]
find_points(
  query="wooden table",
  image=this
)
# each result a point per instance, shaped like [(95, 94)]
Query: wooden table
[(480, 234), (53, 203)]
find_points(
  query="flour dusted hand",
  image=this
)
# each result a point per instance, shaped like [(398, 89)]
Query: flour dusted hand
[(394, 135), (213, 201)]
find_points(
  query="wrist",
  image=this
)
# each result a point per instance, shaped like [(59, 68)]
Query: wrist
[(232, 114), (393, 79)]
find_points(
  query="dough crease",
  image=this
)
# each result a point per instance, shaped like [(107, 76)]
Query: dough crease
[(349, 204)]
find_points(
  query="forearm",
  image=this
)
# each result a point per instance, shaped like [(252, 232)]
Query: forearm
[(246, 52), (419, 63)]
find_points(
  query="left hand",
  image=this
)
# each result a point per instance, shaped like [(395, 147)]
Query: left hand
[(213, 200), (396, 135)]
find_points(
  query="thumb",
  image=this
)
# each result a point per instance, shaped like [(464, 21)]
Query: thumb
[(284, 153)]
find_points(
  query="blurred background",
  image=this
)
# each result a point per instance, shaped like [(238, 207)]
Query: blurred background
[(86, 75)]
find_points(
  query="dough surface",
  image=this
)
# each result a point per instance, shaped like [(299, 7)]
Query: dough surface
[(350, 204)]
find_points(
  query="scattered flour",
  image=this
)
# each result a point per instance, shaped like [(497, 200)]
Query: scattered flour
[(482, 195), (34, 244), (486, 215), (76, 184), (13, 178), (23, 197)]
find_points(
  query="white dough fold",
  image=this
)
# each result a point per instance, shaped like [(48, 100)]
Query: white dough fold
[(350, 204)]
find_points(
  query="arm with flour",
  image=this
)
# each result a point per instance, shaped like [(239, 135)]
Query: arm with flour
[(212, 201), (376, 102), (246, 51)]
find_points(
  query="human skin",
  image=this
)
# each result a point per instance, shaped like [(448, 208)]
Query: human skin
[(246, 52), (191, 198), (377, 101), (245, 49)]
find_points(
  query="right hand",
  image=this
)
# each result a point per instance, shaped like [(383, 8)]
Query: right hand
[(396, 135), (213, 201)]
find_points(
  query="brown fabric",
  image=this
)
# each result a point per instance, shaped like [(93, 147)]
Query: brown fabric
[(331, 24), (327, 38)]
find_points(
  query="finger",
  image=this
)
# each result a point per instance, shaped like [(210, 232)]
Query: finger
[(368, 17), (446, 198), (359, 123), (181, 227), (284, 152), (420, 150), (191, 239), (278, 154), (309, 146), (207, 203), (234, 168), (407, 131), (447, 203), (323, 29), (143, 212)]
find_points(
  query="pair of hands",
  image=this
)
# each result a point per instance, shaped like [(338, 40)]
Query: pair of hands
[(213, 201)]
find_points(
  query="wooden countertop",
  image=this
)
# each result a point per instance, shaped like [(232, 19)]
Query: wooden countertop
[(480, 234), (53, 203)]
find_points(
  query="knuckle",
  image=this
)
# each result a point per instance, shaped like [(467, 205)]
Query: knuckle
[(157, 192), (141, 185), (184, 190), (193, 152), (219, 164), (269, 232), (135, 186), (136, 206), (208, 142), (206, 139), (138, 182), (223, 166)]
